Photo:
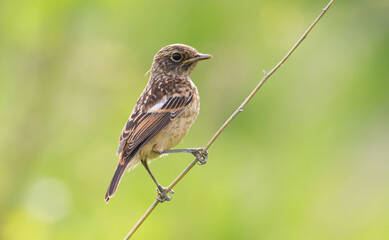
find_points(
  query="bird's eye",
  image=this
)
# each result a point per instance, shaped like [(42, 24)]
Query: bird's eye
[(176, 57)]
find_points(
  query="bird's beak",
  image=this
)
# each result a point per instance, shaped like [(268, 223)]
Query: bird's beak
[(202, 57), (198, 58)]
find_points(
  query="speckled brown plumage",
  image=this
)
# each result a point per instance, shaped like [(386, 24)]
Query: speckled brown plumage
[(163, 113)]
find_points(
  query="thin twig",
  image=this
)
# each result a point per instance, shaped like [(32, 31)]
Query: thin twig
[(147, 213), (237, 111)]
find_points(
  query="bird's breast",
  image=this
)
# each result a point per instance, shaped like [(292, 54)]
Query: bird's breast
[(174, 132)]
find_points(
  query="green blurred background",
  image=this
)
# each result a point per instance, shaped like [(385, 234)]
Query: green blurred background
[(307, 159)]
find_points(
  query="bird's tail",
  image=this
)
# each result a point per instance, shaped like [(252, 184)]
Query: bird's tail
[(120, 169)]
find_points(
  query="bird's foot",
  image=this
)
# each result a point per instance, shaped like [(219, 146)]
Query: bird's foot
[(163, 194), (201, 155)]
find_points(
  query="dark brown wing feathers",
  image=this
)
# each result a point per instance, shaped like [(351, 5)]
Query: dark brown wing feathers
[(140, 128), (141, 125)]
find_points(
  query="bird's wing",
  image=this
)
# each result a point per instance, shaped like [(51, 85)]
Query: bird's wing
[(141, 127)]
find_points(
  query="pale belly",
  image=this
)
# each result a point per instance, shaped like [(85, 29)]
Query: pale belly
[(172, 134)]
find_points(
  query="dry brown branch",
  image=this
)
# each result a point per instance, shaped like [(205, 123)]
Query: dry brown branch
[(237, 111)]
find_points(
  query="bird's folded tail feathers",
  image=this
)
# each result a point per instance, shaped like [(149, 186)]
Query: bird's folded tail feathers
[(120, 169)]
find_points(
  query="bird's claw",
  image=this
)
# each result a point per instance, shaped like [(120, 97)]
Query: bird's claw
[(163, 194), (201, 156)]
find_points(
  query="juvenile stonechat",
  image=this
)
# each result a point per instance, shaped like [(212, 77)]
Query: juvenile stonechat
[(162, 115)]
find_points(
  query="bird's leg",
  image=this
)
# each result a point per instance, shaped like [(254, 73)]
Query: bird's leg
[(199, 153), (162, 192)]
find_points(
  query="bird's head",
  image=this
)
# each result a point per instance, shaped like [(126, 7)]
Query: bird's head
[(177, 59)]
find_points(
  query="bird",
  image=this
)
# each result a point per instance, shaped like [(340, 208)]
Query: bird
[(162, 116)]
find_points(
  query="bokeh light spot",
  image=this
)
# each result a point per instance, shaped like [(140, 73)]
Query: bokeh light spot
[(48, 199)]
